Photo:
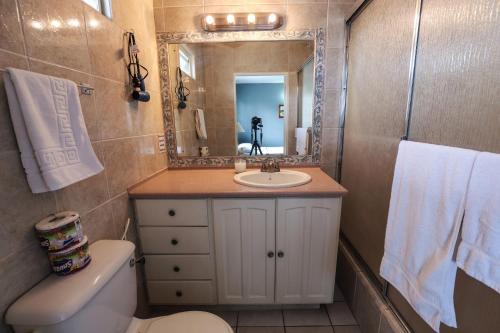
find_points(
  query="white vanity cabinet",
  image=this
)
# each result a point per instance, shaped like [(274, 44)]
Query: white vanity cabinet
[(239, 250), (281, 251)]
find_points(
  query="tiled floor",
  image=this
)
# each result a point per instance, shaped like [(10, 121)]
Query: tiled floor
[(329, 318)]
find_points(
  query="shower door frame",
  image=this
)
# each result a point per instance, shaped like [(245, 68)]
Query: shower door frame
[(407, 125)]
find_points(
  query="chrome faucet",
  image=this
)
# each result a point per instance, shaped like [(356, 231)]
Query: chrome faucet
[(270, 165)]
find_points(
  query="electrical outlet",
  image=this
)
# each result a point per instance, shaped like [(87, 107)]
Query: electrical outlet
[(162, 143)]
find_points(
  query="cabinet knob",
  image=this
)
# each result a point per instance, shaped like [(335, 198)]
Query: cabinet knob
[(171, 212), (177, 269), (174, 241), (270, 254), (281, 254), (178, 293)]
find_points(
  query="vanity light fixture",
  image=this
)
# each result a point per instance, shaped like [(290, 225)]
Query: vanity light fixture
[(241, 21)]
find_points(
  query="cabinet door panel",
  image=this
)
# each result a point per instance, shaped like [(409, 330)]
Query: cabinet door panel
[(228, 226), (244, 234), (320, 273), (291, 241), (307, 234)]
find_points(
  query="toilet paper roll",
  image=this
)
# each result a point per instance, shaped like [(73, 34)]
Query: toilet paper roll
[(71, 259), (59, 231)]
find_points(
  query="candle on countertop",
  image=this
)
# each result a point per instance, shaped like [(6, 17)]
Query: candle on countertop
[(240, 165)]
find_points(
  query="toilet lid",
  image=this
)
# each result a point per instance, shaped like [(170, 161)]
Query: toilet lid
[(190, 322)]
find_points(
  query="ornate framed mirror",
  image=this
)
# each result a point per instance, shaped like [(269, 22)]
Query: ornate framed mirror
[(250, 95)]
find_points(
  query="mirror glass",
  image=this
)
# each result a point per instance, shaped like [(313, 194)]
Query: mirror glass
[(242, 98)]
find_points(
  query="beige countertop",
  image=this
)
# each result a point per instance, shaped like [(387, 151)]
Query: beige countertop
[(203, 183)]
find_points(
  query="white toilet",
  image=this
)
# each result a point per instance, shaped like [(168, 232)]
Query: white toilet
[(100, 299)]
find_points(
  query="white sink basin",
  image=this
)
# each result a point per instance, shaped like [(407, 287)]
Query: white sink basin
[(284, 178)]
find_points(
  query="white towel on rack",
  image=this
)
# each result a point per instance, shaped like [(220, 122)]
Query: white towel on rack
[(201, 129), (302, 140), (479, 251), (426, 209), (50, 130)]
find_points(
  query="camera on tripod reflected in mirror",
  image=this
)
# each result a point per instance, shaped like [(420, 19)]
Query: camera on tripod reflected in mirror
[(256, 123)]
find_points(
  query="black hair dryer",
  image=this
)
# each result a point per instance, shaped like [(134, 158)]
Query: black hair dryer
[(139, 92)]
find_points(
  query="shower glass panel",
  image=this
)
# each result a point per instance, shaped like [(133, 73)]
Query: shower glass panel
[(457, 85), (379, 60)]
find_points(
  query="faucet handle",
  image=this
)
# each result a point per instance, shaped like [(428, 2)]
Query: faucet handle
[(264, 167)]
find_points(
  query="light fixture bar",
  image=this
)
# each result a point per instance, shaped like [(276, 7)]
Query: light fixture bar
[(241, 21)]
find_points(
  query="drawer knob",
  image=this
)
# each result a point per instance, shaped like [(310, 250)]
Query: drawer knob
[(177, 269), (171, 212), (281, 254), (178, 293), (270, 254), (174, 241)]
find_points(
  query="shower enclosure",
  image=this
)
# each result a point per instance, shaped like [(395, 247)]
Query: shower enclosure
[(427, 71)]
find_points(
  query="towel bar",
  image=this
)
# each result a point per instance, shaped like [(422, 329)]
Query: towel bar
[(85, 89)]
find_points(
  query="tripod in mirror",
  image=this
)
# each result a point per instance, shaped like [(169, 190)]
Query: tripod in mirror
[(256, 128)]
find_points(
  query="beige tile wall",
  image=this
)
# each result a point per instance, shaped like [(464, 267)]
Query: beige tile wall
[(123, 132), (183, 16)]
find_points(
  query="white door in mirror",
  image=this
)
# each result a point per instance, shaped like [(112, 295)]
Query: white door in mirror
[(284, 178)]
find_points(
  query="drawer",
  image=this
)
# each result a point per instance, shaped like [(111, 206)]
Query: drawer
[(172, 212), (175, 240), (178, 267), (181, 292)]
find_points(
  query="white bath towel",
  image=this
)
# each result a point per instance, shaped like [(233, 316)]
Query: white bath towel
[(50, 130), (426, 209), (201, 129), (479, 251), (302, 140)]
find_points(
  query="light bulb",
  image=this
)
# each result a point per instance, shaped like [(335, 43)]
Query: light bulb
[(272, 18), (251, 18), (55, 23), (73, 22), (37, 25), (230, 19), (209, 19), (94, 23)]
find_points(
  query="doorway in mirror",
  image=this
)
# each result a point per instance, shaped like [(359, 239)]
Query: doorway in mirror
[(260, 127)]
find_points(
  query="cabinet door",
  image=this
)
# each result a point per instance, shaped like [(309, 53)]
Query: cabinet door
[(306, 244), (244, 236)]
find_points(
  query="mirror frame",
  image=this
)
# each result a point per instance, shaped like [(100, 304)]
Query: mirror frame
[(175, 161)]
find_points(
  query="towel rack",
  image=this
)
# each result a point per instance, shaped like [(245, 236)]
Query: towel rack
[(85, 89)]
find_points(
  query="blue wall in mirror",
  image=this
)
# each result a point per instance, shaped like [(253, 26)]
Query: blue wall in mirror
[(261, 100)]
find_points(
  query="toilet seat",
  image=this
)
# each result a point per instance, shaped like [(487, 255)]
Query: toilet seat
[(189, 322)]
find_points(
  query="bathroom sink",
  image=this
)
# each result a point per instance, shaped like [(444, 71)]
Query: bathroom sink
[(281, 179)]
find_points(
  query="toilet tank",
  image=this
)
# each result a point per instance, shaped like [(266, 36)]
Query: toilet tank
[(100, 298)]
